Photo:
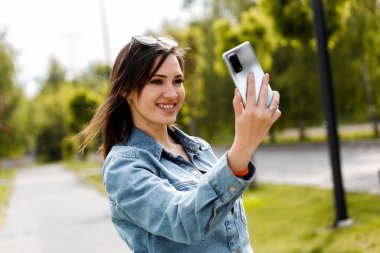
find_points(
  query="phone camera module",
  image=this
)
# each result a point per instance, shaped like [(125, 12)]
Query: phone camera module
[(235, 63)]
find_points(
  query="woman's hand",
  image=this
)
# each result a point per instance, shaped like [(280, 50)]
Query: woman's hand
[(252, 123)]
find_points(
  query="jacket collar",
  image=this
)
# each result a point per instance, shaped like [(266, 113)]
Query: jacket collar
[(140, 139)]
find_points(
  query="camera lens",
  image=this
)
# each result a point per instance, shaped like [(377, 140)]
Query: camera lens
[(235, 63)]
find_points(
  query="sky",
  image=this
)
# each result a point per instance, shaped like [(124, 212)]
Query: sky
[(72, 31)]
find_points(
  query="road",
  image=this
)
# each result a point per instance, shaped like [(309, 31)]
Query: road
[(50, 210), (309, 164)]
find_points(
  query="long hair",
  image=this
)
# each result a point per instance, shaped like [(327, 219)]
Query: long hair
[(133, 68)]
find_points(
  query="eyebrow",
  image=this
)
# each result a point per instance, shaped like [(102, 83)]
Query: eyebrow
[(163, 76)]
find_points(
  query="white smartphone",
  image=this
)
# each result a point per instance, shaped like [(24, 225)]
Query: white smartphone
[(240, 61)]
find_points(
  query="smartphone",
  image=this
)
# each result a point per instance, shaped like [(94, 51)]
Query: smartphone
[(240, 61)]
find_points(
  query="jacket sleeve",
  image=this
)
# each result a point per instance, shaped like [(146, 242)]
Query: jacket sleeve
[(153, 204)]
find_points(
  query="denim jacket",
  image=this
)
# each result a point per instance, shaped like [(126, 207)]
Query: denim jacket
[(162, 203)]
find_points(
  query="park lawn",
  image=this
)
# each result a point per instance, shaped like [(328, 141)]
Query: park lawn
[(79, 165), (298, 219), (5, 189)]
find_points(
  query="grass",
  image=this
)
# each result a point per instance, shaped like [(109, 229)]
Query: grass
[(80, 165), (5, 189), (298, 219), (346, 132)]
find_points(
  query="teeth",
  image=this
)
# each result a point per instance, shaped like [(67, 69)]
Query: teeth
[(166, 107)]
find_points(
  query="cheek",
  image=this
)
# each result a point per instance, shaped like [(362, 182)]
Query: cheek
[(181, 95)]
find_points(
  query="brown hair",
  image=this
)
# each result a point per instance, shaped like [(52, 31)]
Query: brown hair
[(133, 68)]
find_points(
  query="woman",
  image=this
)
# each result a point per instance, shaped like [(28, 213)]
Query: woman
[(168, 192)]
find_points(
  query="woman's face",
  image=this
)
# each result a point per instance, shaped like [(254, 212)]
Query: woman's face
[(161, 98)]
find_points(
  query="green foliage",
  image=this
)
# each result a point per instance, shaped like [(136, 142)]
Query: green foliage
[(5, 189), (357, 46), (56, 75), (82, 107), (14, 136), (292, 18), (49, 143), (69, 148), (94, 78), (62, 109)]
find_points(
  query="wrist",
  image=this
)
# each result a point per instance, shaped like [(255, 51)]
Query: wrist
[(241, 173), (237, 161)]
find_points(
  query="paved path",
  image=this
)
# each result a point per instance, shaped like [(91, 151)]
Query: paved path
[(309, 164), (51, 211)]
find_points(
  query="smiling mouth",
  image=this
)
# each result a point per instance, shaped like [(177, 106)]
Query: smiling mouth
[(166, 107)]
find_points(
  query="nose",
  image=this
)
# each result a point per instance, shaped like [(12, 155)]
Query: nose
[(169, 91)]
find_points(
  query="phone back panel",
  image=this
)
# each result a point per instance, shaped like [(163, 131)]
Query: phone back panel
[(249, 62)]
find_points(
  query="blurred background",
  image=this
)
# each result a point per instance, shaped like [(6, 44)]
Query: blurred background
[(56, 57)]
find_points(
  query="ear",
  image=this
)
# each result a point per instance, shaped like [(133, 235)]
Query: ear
[(124, 94)]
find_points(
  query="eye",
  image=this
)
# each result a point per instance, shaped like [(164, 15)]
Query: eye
[(178, 81), (156, 81)]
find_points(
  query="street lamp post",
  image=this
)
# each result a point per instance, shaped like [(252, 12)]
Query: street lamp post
[(329, 111)]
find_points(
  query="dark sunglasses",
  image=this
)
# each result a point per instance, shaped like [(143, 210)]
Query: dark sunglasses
[(151, 41)]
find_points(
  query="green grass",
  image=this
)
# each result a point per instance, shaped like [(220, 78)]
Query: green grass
[(5, 189), (297, 219), (78, 165), (343, 136)]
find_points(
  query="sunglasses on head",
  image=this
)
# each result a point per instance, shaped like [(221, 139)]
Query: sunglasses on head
[(151, 41)]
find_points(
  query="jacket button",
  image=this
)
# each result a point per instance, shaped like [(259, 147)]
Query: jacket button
[(232, 189)]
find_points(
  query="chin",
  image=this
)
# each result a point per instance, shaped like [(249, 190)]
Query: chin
[(166, 121)]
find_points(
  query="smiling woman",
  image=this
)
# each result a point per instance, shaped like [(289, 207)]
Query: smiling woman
[(168, 191), (160, 100)]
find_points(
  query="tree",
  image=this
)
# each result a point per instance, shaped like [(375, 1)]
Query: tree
[(14, 135), (56, 75), (95, 78), (49, 110), (294, 65), (230, 9), (357, 46)]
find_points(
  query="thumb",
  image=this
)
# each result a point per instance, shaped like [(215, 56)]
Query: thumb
[(237, 103)]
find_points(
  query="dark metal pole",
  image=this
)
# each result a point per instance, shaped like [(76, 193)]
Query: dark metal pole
[(329, 111)]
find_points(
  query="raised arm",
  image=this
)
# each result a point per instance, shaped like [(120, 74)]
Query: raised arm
[(252, 123)]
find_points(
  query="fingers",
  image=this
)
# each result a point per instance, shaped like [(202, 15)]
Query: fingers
[(272, 111), (274, 105), (237, 103), (263, 96), (251, 90)]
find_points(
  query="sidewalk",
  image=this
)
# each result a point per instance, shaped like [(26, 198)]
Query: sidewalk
[(51, 211)]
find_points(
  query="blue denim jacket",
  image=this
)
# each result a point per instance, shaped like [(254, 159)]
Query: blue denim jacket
[(163, 203)]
